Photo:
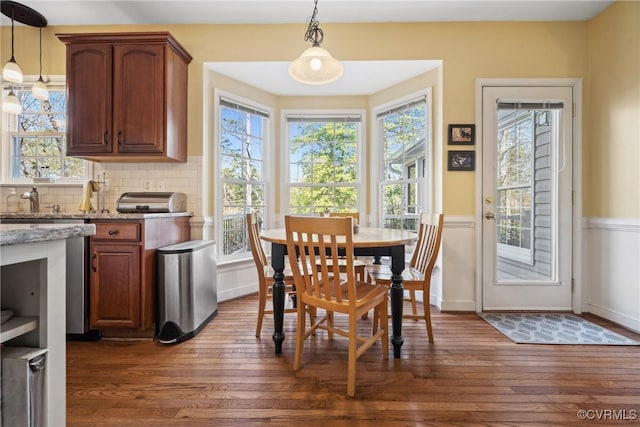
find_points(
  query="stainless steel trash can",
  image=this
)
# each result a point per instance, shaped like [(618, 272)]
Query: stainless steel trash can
[(187, 291), (23, 386)]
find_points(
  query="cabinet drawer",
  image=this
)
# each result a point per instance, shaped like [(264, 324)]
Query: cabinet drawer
[(117, 231)]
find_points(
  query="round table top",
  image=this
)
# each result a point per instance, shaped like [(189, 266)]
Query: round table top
[(366, 237)]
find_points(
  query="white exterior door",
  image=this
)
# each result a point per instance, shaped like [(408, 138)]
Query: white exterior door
[(527, 198)]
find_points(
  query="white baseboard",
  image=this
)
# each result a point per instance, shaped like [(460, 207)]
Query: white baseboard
[(458, 306), (619, 318), (237, 292)]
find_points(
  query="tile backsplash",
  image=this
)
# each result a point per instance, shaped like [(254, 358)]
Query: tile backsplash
[(122, 177)]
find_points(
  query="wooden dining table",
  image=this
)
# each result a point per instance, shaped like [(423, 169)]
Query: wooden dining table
[(369, 241)]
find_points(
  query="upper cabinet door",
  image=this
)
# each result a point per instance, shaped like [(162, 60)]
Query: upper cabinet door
[(89, 70), (139, 98), (127, 97)]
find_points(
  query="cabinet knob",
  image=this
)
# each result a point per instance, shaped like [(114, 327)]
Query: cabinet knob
[(119, 138), (93, 262), (106, 137), (113, 232)]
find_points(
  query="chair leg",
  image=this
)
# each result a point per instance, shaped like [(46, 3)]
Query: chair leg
[(351, 363), (414, 305), (330, 323), (262, 302), (376, 320), (383, 317), (301, 322), (427, 320)]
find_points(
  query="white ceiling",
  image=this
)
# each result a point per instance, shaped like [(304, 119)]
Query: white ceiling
[(272, 76), (94, 12)]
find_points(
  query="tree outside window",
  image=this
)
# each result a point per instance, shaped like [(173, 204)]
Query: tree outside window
[(323, 164), (242, 139), (402, 131), (38, 139)]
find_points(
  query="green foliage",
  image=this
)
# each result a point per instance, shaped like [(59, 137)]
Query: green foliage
[(323, 166)]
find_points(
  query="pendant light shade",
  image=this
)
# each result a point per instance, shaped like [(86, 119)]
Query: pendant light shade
[(11, 71), (11, 104), (315, 66), (40, 90)]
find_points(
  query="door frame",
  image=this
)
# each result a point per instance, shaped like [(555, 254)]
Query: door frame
[(576, 85)]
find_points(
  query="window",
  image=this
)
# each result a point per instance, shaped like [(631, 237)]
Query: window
[(36, 140), (515, 184), (323, 163), (243, 132), (402, 131)]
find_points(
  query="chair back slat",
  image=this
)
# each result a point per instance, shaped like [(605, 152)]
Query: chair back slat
[(312, 245), (354, 215), (428, 245), (257, 251)]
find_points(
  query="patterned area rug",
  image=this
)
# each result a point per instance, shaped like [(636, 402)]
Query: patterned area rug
[(552, 328)]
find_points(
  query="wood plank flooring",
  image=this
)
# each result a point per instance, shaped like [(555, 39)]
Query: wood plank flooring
[(471, 375)]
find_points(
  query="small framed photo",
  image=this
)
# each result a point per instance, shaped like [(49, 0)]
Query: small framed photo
[(461, 161), (462, 134)]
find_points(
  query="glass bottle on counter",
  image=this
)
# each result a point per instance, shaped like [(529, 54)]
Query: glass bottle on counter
[(13, 201)]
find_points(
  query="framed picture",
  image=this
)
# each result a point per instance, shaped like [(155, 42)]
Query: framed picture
[(462, 134), (461, 161)]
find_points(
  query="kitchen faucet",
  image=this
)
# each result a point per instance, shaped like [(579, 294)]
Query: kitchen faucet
[(34, 200)]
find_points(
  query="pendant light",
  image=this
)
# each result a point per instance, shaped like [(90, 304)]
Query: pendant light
[(39, 89), (11, 104), (315, 66), (11, 71)]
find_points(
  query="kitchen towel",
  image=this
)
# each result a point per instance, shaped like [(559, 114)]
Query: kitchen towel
[(87, 192)]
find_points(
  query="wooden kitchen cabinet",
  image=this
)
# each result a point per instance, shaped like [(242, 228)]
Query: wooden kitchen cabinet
[(115, 286), (123, 270), (127, 97)]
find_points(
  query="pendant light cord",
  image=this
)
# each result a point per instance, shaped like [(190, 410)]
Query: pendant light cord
[(13, 59), (314, 33), (40, 53)]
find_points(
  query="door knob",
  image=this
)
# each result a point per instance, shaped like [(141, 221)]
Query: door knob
[(489, 215)]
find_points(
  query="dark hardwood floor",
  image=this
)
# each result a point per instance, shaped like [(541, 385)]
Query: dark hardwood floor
[(471, 375)]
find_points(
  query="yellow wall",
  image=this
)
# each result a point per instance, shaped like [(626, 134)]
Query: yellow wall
[(611, 175), (468, 51)]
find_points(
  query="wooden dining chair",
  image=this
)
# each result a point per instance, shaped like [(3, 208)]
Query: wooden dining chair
[(417, 275), (360, 266), (320, 285), (265, 273)]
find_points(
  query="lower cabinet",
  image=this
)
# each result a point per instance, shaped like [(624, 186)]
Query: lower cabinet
[(123, 282), (115, 286)]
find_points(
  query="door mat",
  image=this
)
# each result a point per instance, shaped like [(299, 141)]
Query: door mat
[(552, 328)]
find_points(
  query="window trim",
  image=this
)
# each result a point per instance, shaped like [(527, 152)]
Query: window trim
[(267, 145), (5, 145), (285, 156)]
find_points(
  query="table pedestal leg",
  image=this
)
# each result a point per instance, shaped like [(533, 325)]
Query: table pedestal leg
[(397, 296), (277, 262)]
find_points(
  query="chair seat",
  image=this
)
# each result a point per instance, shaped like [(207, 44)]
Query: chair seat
[(364, 290), (382, 274), (343, 262)]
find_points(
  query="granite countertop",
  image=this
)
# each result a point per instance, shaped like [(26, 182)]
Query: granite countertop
[(14, 234), (80, 215)]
